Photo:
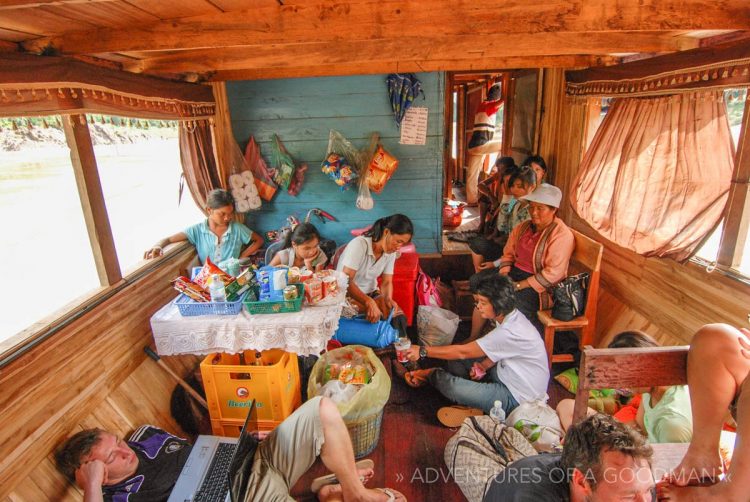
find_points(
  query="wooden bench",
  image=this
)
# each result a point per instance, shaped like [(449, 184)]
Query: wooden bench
[(587, 257), (628, 368)]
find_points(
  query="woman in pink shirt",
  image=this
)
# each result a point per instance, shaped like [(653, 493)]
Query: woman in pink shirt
[(537, 254)]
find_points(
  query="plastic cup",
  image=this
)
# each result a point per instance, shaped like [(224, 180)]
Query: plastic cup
[(402, 346)]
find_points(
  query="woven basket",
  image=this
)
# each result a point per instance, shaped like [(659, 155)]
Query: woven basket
[(365, 433)]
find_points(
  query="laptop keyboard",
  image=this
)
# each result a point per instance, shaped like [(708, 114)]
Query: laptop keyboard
[(216, 483)]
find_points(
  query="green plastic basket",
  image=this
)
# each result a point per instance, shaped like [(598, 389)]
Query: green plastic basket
[(274, 307)]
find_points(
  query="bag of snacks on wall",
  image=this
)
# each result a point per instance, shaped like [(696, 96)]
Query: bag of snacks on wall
[(381, 168), (283, 164), (341, 161)]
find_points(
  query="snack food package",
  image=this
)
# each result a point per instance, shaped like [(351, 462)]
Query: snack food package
[(209, 269), (381, 168), (190, 289), (240, 284), (339, 170), (313, 290)]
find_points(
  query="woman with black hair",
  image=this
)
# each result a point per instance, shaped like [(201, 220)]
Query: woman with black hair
[(537, 163), (370, 256), (514, 348), (301, 249)]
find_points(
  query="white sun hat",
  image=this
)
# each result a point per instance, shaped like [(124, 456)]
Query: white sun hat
[(545, 194)]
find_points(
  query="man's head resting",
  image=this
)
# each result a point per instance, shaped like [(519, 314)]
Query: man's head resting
[(70, 454), (607, 460)]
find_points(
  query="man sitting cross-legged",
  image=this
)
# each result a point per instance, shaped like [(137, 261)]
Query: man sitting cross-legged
[(147, 468)]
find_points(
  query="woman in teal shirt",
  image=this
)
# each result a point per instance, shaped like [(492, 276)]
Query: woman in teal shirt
[(218, 236)]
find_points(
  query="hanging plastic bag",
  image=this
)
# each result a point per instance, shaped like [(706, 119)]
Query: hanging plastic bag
[(297, 180), (341, 160), (261, 173), (283, 164), (364, 199), (371, 398)]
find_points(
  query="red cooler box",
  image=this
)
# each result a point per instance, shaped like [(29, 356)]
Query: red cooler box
[(405, 284)]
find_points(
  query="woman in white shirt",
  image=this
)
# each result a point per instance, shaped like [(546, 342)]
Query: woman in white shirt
[(370, 257)]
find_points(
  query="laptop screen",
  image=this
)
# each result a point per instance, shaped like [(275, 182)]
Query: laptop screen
[(242, 462)]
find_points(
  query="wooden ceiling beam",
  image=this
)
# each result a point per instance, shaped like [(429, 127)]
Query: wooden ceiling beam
[(28, 4), (370, 68), (420, 51), (372, 19)]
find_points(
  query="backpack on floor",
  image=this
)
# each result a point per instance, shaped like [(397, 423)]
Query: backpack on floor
[(480, 450)]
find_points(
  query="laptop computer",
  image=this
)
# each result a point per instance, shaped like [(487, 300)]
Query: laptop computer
[(218, 468)]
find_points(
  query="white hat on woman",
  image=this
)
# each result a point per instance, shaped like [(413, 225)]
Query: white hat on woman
[(545, 194)]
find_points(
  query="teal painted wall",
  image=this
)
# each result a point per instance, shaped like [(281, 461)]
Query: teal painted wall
[(302, 111)]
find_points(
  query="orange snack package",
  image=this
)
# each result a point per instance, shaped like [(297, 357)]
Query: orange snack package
[(381, 168)]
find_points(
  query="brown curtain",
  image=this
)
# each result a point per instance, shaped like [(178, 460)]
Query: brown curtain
[(198, 159), (656, 176)]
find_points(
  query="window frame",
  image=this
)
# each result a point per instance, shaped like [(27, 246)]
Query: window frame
[(111, 276)]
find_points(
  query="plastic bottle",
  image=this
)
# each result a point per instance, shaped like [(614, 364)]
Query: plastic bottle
[(497, 412), (216, 289)]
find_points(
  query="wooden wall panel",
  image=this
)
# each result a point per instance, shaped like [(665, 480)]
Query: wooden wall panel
[(302, 111), (668, 300), (89, 374)]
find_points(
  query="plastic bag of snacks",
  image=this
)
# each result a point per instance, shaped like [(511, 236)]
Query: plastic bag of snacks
[(341, 161), (339, 170), (381, 168), (209, 269), (283, 164), (353, 363)]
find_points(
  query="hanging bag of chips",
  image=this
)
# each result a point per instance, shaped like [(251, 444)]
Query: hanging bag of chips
[(381, 168)]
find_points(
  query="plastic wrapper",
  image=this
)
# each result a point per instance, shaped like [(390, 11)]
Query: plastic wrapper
[(338, 168), (371, 398), (262, 176), (190, 289), (342, 160), (338, 391), (209, 269), (241, 180), (381, 168), (283, 164)]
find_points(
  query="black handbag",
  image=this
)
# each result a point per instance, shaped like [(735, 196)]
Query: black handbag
[(569, 297)]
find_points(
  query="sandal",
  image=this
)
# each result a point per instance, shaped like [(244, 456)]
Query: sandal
[(454, 416), (330, 479), (417, 378), (392, 494)]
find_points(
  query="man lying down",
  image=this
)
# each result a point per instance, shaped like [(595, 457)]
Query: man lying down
[(146, 468)]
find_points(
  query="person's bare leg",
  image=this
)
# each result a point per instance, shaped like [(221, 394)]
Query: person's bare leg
[(337, 455), (716, 369), (565, 413), (734, 486)]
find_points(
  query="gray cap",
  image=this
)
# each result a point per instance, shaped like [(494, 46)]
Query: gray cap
[(545, 194)]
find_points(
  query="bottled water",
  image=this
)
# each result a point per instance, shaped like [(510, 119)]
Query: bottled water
[(497, 412), (216, 289)]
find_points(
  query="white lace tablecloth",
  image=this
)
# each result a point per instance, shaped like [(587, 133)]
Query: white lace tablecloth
[(305, 332)]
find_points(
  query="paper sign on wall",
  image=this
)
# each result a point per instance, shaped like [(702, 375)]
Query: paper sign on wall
[(414, 126)]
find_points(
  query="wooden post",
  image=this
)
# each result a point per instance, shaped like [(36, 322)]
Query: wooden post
[(737, 210), (460, 132), (92, 199)]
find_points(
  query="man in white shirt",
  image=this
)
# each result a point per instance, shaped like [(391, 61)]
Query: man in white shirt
[(514, 348)]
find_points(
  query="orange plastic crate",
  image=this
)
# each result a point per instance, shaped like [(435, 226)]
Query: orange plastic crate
[(231, 387)]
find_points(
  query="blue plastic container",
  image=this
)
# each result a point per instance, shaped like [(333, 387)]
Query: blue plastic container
[(189, 307)]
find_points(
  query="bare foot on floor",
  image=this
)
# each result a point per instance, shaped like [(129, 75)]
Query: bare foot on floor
[(418, 378), (696, 469), (334, 493)]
